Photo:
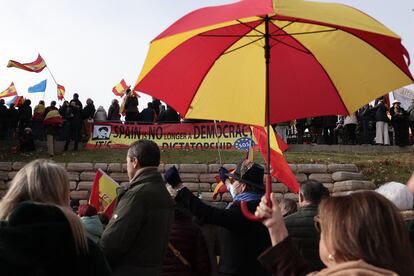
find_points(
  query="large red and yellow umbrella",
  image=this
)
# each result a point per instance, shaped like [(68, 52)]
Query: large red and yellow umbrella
[(261, 62), (324, 59)]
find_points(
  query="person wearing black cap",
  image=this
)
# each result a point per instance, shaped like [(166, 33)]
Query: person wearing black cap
[(241, 240)]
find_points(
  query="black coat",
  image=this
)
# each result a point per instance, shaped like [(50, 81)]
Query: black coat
[(301, 228), (37, 240), (187, 238), (88, 112), (241, 240), (381, 113), (137, 235)]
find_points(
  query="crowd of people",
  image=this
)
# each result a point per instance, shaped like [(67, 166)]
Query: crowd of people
[(378, 124), (155, 228), (28, 125)]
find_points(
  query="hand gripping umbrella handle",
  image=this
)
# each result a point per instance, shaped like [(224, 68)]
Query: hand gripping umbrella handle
[(243, 204)]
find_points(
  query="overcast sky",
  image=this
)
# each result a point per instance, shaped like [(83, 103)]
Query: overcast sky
[(90, 45)]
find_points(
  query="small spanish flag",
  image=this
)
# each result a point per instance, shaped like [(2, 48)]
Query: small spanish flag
[(60, 92), (120, 88), (103, 194), (36, 66), (10, 91), (53, 118), (17, 101), (280, 168)]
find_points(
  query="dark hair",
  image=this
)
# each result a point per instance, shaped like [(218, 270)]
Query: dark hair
[(53, 103), (86, 210), (288, 206), (366, 226), (313, 191), (146, 152), (76, 95), (103, 128)]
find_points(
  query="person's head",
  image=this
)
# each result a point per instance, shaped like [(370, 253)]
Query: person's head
[(1, 102), (115, 102), (150, 105), (172, 177), (142, 153), (248, 176), (43, 181), (42, 102), (27, 102), (312, 192), (396, 103), (53, 103), (288, 206), (75, 96), (128, 91), (103, 131), (363, 226), (89, 101), (65, 103), (398, 194), (86, 210)]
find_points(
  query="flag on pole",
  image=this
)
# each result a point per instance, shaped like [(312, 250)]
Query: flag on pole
[(16, 100), (40, 87), (36, 66), (280, 168), (60, 92), (103, 193), (120, 88), (10, 91)]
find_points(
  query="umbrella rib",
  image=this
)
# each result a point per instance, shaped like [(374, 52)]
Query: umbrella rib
[(281, 29), (286, 44), (252, 28), (218, 35), (238, 48), (304, 33)]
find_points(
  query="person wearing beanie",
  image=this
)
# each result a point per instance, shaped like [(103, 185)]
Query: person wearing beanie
[(91, 221)]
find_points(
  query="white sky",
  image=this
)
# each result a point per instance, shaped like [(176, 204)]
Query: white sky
[(90, 45)]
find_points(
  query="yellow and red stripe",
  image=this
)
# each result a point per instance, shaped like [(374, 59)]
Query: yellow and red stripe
[(330, 57), (120, 88), (60, 92), (36, 66), (10, 91)]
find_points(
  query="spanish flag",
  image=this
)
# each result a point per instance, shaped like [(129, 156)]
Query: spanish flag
[(60, 92), (103, 193), (280, 168), (10, 91), (53, 118), (17, 101), (120, 88), (36, 66)]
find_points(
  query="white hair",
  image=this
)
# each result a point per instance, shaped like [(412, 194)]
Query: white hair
[(398, 194)]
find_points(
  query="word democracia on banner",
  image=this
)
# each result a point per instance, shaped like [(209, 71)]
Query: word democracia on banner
[(186, 136)]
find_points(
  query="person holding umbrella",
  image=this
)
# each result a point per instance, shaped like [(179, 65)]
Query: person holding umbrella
[(241, 240)]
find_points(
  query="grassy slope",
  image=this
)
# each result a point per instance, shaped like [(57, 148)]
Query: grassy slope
[(379, 168)]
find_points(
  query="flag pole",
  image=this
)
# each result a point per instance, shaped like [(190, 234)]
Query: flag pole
[(50, 72), (218, 141)]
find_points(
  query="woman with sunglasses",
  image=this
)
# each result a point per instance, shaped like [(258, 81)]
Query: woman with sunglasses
[(361, 234)]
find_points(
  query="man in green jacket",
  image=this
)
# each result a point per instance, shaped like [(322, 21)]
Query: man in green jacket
[(300, 225), (137, 235)]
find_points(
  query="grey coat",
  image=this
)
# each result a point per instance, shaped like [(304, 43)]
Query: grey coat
[(137, 235)]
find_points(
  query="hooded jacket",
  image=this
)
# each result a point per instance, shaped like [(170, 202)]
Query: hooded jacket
[(36, 239)]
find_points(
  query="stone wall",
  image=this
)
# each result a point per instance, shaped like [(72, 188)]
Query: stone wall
[(200, 178)]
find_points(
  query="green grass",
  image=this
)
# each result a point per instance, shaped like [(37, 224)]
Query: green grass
[(379, 168)]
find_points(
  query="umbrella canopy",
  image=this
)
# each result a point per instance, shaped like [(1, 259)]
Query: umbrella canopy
[(324, 59)]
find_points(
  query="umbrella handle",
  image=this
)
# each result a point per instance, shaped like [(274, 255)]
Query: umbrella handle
[(243, 204)]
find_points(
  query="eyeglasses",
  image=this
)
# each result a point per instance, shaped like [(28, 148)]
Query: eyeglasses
[(317, 223)]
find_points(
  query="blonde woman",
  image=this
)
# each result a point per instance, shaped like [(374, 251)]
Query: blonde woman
[(39, 234)]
